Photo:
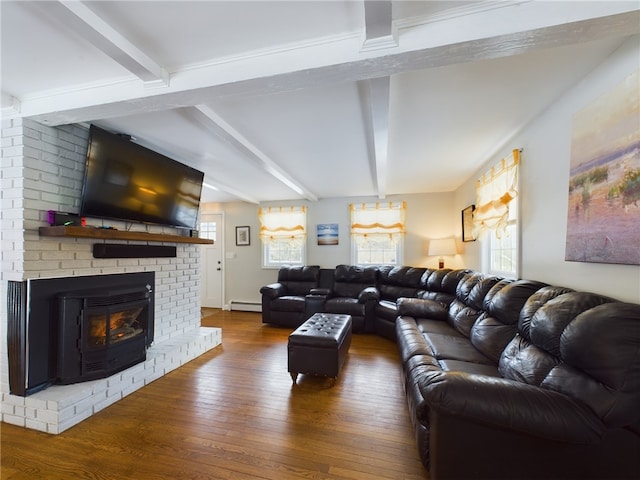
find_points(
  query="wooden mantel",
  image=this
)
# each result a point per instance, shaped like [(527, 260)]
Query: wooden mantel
[(112, 234)]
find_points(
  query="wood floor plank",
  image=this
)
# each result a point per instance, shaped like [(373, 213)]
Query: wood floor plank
[(233, 414)]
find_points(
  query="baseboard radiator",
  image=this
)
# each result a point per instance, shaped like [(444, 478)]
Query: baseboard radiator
[(246, 306)]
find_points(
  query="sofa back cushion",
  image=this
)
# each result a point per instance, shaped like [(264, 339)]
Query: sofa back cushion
[(395, 282), (468, 303), (583, 345), (326, 278), (299, 280), (497, 326), (433, 280), (350, 280), (521, 360), (443, 280), (440, 285)]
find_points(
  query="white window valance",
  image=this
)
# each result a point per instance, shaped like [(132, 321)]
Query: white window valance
[(494, 192), (283, 222), (378, 219)]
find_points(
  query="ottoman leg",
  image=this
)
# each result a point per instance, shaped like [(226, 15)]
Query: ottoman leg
[(294, 377)]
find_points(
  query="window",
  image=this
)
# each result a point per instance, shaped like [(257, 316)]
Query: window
[(208, 230), (283, 232), (504, 251), (377, 233), (496, 216)]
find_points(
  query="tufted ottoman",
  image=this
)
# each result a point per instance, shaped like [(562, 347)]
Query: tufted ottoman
[(319, 346)]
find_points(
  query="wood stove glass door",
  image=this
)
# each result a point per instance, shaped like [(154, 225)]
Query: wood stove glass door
[(108, 328)]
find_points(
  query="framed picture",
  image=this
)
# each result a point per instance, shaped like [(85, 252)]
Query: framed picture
[(242, 236), (327, 234), (603, 218), (467, 224)]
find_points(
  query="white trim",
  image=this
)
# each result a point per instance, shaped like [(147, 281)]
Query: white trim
[(451, 13), (220, 239), (379, 43), (245, 306)]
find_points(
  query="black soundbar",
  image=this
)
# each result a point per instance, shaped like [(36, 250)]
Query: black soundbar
[(116, 250)]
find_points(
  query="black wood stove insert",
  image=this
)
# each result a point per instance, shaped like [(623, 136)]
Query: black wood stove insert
[(69, 330)]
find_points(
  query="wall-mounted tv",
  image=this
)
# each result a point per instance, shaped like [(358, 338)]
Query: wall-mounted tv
[(126, 181)]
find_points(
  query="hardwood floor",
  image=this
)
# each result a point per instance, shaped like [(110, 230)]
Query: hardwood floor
[(233, 414)]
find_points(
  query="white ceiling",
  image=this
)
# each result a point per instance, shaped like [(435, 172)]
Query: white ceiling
[(279, 100)]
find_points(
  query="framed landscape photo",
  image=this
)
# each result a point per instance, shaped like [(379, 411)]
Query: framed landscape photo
[(327, 234), (467, 224), (242, 236)]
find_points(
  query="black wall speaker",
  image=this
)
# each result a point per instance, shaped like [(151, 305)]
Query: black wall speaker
[(116, 250)]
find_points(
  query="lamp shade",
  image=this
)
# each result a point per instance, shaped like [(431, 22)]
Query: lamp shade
[(442, 246)]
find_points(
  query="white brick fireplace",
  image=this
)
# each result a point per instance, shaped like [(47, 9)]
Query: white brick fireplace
[(42, 169)]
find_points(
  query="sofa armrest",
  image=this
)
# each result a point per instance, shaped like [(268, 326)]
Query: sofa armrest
[(419, 308), (320, 291), (273, 290), (369, 294), (314, 303), (511, 405)]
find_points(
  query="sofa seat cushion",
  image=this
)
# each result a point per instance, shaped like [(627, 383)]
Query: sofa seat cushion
[(387, 310), (452, 347), (468, 367), (345, 305), (409, 339), (412, 346), (288, 303), (437, 326)]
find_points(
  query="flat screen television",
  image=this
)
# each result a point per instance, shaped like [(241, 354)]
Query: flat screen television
[(126, 181)]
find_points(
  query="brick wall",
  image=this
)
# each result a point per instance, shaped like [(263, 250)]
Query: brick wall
[(42, 169)]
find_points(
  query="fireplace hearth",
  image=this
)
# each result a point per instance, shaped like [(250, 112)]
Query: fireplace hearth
[(70, 330)]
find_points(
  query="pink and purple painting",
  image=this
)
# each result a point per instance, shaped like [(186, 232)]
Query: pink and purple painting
[(603, 222)]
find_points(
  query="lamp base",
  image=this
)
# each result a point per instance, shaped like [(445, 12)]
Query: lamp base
[(441, 262)]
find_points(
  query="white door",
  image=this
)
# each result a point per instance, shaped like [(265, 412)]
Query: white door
[(211, 274)]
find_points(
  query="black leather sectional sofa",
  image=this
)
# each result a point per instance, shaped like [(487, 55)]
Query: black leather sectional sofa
[(368, 294), (503, 378)]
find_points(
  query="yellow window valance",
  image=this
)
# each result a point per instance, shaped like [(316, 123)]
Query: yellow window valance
[(494, 192), (283, 222), (378, 218)]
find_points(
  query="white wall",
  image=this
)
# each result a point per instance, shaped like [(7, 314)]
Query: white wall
[(428, 216), (546, 145)]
